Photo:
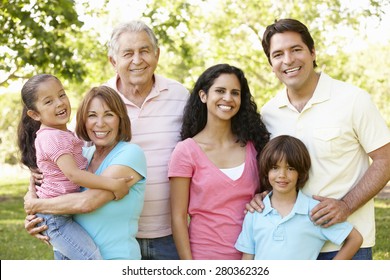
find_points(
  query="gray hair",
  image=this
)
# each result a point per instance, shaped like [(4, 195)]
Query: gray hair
[(131, 26)]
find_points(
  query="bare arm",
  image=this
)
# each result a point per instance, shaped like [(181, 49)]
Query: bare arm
[(180, 190), (80, 202), (246, 256), (351, 245), (119, 186), (376, 177)]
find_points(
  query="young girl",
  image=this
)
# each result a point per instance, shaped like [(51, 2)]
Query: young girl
[(284, 230), (213, 171), (46, 144)]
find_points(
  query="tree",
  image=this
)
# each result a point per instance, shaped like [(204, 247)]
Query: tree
[(43, 36), (196, 34)]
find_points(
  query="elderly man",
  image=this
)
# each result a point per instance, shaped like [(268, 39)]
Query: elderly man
[(155, 106)]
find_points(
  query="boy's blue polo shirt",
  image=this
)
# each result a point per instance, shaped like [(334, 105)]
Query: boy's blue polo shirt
[(295, 237)]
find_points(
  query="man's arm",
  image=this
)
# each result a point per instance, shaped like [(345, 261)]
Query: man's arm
[(331, 211)]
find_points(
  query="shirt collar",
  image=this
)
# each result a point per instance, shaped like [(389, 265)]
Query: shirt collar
[(160, 85), (301, 206), (321, 93)]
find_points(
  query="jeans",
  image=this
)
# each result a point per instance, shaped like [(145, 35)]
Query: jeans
[(70, 241), (162, 248), (361, 254)]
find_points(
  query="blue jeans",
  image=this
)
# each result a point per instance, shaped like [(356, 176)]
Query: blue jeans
[(162, 248), (361, 254), (70, 241)]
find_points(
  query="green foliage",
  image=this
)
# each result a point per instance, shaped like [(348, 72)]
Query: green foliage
[(44, 36), (48, 36), (198, 34), (9, 117)]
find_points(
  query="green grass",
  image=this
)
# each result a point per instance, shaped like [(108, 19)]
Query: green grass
[(17, 244)]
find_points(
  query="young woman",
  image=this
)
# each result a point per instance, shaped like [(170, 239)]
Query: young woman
[(213, 170)]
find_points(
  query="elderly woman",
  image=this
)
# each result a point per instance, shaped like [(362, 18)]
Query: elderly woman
[(102, 119)]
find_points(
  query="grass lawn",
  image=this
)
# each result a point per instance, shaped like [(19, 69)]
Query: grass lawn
[(16, 244)]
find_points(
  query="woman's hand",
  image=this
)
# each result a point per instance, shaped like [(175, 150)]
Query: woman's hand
[(256, 204), (30, 224)]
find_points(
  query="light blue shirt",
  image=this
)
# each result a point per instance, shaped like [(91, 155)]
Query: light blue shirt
[(294, 237), (114, 226)]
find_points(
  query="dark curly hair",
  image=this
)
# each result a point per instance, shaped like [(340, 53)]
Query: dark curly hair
[(246, 124)]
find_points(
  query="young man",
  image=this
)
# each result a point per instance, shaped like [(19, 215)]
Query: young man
[(341, 128)]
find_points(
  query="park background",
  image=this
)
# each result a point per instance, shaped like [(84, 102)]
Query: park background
[(69, 39)]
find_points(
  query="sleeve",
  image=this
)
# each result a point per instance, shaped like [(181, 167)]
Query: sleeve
[(181, 163), (338, 232), (245, 242), (58, 143), (371, 128), (131, 155)]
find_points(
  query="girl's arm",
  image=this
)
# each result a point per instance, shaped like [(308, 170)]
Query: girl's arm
[(351, 245), (79, 202), (119, 186), (180, 190)]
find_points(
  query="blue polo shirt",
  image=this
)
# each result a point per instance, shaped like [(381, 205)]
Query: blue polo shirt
[(294, 237)]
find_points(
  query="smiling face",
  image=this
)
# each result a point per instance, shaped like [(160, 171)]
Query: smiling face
[(102, 124), (283, 178), (292, 61), (223, 98), (52, 105), (136, 59)]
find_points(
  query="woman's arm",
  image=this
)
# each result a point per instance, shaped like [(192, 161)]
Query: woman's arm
[(180, 190), (119, 186), (80, 202), (351, 245)]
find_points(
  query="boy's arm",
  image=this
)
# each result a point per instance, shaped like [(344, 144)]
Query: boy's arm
[(351, 245), (119, 186), (246, 256)]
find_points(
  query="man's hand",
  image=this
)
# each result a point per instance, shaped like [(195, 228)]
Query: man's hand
[(37, 176), (29, 197), (329, 211), (256, 204), (30, 225)]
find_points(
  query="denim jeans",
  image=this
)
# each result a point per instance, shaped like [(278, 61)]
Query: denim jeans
[(162, 248), (69, 239), (361, 254)]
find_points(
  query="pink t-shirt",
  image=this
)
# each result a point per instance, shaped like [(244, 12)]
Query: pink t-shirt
[(217, 203), (50, 144), (155, 127)]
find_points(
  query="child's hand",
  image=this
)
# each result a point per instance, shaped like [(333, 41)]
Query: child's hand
[(121, 189)]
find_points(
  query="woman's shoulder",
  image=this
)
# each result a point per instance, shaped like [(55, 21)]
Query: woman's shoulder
[(128, 149)]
